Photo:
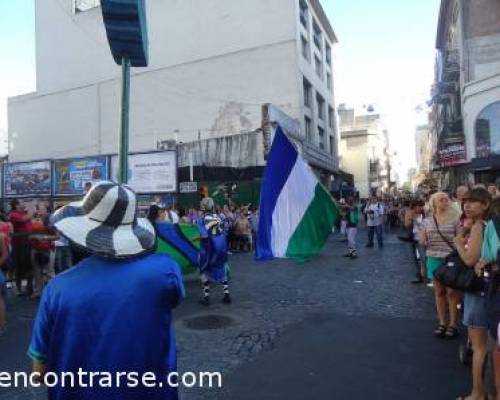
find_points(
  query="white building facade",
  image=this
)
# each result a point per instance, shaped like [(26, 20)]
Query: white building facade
[(365, 152), (466, 110), (213, 63)]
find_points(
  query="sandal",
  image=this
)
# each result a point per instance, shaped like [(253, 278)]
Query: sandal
[(451, 332), (440, 330)]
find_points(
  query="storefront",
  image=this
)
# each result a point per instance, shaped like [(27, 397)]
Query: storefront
[(486, 165)]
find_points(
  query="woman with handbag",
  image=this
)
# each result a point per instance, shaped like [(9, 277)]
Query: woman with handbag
[(437, 233), (468, 242)]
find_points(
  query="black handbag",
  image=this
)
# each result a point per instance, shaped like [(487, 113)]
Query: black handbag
[(454, 273)]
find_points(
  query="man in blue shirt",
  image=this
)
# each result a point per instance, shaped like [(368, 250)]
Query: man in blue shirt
[(108, 320)]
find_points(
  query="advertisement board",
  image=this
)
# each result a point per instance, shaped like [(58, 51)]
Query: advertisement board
[(188, 187), (150, 172), (452, 154), (71, 175), (27, 179)]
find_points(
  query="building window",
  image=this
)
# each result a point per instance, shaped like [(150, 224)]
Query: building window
[(306, 51), (329, 81), (308, 125), (330, 117), (304, 14), (321, 106), (488, 131), (84, 5), (332, 145), (319, 67), (317, 34), (307, 93), (321, 134), (328, 54)]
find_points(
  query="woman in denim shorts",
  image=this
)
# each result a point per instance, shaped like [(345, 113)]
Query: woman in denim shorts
[(468, 242)]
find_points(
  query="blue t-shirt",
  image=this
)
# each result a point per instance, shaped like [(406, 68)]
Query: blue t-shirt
[(110, 316)]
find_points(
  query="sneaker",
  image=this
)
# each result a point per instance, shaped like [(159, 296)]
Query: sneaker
[(354, 255), (430, 284), (227, 298), (205, 301), (348, 255), (370, 245)]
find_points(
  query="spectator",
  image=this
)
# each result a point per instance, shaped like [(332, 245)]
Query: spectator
[(7, 229), (414, 219), (3, 261), (468, 242), (437, 235), (374, 211), (492, 190), (242, 232), (113, 311), (21, 221), (352, 218), (42, 249), (490, 261), (63, 258)]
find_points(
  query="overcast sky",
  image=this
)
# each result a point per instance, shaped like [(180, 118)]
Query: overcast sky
[(384, 57)]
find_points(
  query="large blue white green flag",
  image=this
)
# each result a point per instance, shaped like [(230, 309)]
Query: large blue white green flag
[(297, 212)]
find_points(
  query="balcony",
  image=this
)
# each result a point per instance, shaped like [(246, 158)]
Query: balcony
[(451, 66)]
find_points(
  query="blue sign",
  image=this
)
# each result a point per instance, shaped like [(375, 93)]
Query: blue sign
[(70, 176), (126, 28)]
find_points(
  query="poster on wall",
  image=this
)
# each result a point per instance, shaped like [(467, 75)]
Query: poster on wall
[(27, 179), (71, 175), (150, 172)]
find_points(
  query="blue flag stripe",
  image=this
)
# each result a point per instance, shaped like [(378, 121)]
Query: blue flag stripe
[(280, 163), (170, 234)]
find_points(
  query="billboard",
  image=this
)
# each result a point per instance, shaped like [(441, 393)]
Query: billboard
[(452, 154), (27, 179), (150, 172), (71, 175)]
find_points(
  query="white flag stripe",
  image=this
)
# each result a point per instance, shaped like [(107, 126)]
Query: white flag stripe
[(291, 206)]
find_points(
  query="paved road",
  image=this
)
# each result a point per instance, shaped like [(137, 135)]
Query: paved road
[(332, 328)]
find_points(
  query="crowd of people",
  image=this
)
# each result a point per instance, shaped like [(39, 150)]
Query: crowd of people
[(454, 235), (33, 252)]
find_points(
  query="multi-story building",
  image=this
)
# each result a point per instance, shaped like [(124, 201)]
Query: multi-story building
[(423, 146), (466, 109), (213, 64), (365, 152)]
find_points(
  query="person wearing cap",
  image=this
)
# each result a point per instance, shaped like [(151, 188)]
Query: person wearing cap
[(113, 311), (213, 252)]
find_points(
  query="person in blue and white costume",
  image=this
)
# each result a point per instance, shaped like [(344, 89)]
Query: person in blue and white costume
[(212, 261)]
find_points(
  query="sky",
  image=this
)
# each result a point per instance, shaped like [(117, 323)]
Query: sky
[(385, 57)]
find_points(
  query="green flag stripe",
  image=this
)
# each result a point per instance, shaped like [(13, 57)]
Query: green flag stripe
[(164, 247), (315, 227)]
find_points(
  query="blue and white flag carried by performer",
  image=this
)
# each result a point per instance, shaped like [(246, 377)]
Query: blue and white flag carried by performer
[(296, 211)]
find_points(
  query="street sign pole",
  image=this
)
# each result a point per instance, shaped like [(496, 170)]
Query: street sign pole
[(124, 120)]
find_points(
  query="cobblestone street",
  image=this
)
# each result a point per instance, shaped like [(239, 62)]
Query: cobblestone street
[(332, 328)]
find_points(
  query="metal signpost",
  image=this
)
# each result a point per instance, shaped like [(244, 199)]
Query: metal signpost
[(126, 29)]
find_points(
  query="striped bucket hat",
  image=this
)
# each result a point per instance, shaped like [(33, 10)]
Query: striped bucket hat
[(105, 222)]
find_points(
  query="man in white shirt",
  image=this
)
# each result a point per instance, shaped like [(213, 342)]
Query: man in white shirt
[(374, 211)]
